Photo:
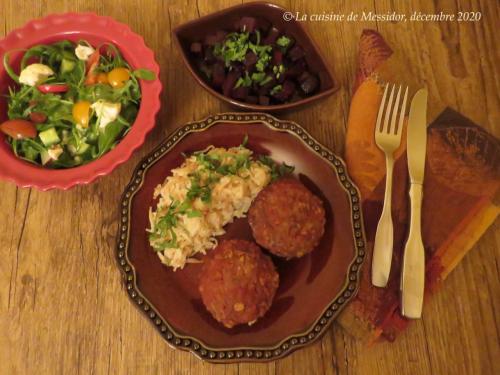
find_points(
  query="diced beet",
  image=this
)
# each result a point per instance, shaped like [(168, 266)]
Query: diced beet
[(196, 48), (250, 59), (205, 69), (295, 81), (272, 35), (309, 83), (252, 99), (263, 25), (296, 69), (264, 89), (287, 91), (218, 74), (295, 53), (230, 81), (220, 36), (295, 97), (277, 57), (263, 100), (210, 40), (288, 88), (239, 93), (208, 55), (238, 67), (247, 24), (305, 75)]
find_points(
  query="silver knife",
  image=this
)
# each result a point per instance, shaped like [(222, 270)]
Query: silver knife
[(413, 270)]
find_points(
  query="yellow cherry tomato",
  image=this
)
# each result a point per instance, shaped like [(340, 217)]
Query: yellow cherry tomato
[(102, 78), (81, 113), (118, 76)]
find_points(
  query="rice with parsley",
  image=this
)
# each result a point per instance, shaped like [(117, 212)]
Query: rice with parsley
[(209, 190)]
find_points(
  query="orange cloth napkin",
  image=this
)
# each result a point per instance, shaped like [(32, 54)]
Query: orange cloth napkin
[(461, 189)]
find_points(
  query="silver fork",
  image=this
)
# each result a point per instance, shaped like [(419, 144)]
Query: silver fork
[(388, 139)]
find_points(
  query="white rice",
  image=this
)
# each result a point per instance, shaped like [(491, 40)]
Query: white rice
[(231, 197)]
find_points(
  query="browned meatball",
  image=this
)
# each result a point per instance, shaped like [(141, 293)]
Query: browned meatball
[(287, 219), (237, 282)]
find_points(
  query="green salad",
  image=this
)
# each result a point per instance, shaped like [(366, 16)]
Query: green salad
[(72, 102)]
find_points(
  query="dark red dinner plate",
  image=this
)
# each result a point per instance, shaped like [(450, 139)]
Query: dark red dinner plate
[(312, 290)]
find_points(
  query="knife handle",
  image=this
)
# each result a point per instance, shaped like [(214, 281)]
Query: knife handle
[(413, 270)]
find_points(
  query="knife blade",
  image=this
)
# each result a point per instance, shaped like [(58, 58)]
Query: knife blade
[(417, 136), (413, 269)]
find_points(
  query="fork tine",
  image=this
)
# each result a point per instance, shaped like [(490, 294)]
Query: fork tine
[(402, 113), (394, 114), (381, 110), (387, 128)]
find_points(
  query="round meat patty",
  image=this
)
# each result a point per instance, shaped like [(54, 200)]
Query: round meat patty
[(287, 219), (237, 282)]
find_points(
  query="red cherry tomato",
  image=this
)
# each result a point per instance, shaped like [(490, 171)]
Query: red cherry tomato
[(91, 66), (18, 129), (53, 88), (38, 117)]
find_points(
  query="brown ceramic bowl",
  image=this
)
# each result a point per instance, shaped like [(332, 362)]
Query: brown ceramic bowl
[(313, 289), (195, 30)]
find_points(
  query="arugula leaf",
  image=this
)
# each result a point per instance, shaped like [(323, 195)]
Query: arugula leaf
[(144, 74), (107, 137), (9, 69)]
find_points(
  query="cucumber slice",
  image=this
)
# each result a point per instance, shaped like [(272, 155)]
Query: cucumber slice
[(45, 157), (49, 137), (84, 147), (67, 65)]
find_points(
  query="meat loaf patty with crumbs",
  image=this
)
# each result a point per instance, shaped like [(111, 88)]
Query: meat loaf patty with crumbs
[(237, 282), (287, 219)]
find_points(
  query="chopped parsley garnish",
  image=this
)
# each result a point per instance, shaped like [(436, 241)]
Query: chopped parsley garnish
[(278, 70), (169, 221), (237, 45), (263, 62), (277, 170), (283, 41), (245, 81), (258, 77), (234, 48), (276, 89), (266, 80), (245, 141)]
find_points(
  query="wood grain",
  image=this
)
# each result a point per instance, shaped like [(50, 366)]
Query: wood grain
[(63, 309)]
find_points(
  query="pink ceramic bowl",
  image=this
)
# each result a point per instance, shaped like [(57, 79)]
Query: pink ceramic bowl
[(96, 30)]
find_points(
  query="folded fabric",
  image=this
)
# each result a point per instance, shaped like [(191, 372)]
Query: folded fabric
[(461, 191)]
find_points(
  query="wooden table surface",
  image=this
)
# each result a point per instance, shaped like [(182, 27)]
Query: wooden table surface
[(63, 309)]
